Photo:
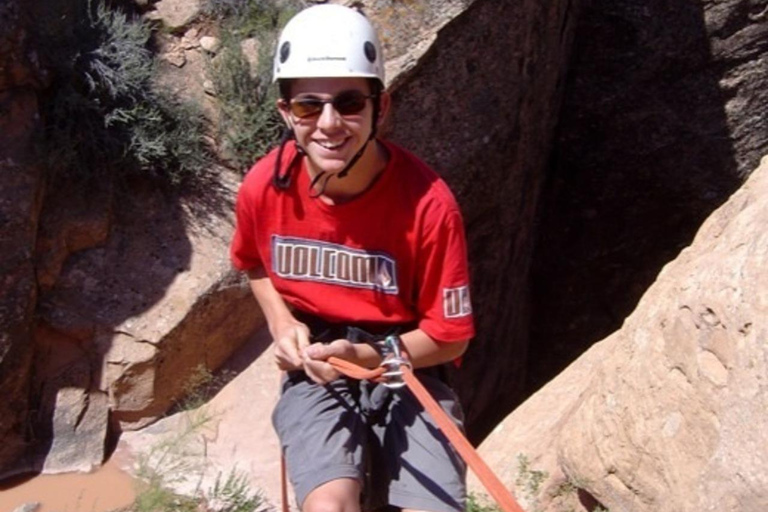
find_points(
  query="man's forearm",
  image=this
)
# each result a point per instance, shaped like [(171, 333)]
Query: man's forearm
[(422, 349), (425, 351), (276, 311)]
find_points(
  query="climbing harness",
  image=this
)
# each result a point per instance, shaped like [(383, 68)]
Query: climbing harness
[(396, 372)]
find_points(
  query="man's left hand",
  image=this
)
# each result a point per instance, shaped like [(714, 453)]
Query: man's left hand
[(316, 355)]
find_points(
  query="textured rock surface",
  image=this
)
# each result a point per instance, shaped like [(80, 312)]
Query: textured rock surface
[(71, 221), (79, 430), (669, 413), (666, 111), (525, 444), (409, 29), (680, 403), (154, 302), (69, 416), (20, 191), (176, 14), (481, 109), (183, 72)]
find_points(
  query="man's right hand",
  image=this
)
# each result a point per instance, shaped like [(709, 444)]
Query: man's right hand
[(290, 341)]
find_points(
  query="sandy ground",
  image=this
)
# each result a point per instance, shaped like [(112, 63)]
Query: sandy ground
[(106, 489)]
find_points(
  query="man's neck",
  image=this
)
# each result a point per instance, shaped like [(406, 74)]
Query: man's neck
[(360, 177)]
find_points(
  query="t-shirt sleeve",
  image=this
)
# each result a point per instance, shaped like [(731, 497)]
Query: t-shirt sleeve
[(244, 250), (443, 301)]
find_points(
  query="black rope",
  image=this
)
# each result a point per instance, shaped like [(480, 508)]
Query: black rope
[(314, 182)]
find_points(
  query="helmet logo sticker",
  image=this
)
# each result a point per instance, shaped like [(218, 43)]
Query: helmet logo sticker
[(285, 52), (329, 58), (370, 51)]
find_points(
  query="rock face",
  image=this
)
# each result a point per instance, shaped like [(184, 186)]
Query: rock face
[(665, 113), (20, 193), (408, 30), (128, 317), (79, 428), (669, 413), (153, 302), (481, 108), (176, 14)]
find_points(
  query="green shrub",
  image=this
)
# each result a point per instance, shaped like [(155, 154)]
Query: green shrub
[(480, 503), (233, 494), (154, 498), (103, 113), (529, 479), (249, 122), (253, 18)]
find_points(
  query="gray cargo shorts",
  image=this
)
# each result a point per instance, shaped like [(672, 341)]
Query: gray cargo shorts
[(380, 437)]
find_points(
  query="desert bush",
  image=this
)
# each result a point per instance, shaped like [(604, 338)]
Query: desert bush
[(480, 503), (249, 18), (103, 113), (249, 122)]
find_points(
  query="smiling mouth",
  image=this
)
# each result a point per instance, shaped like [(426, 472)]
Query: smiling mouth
[(331, 144)]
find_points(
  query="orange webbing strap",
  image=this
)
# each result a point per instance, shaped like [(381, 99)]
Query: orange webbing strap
[(355, 371), (491, 482), (283, 470), (283, 484)]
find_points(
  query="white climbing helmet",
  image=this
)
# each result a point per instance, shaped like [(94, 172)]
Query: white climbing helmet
[(329, 40)]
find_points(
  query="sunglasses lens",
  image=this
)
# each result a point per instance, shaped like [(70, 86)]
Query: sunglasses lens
[(350, 103), (306, 107)]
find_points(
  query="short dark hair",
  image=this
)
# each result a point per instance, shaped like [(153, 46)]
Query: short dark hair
[(284, 87)]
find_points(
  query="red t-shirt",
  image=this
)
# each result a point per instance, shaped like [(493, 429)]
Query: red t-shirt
[(395, 254)]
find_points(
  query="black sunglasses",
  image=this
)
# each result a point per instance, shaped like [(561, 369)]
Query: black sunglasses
[(346, 103)]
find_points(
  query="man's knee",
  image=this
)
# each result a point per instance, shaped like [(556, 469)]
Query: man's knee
[(342, 495)]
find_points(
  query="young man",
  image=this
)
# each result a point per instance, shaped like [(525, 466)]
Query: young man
[(346, 239)]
